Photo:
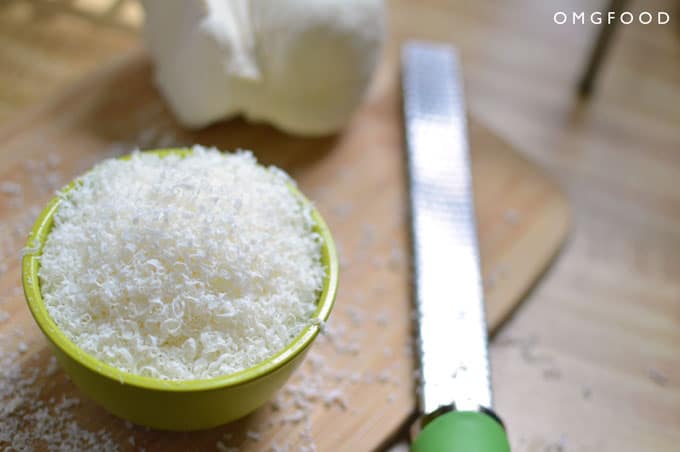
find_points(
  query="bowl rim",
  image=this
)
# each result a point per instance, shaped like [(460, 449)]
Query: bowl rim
[(31, 284)]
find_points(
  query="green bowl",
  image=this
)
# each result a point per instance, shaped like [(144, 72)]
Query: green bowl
[(174, 405)]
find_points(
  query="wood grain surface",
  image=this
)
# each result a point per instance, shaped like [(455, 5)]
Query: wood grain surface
[(589, 362)]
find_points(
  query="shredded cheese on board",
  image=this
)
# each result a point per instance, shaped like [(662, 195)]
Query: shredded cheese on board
[(182, 268)]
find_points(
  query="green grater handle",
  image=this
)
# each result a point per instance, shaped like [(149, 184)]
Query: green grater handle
[(462, 431)]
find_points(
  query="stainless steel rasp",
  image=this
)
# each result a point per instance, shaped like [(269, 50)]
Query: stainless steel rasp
[(455, 389)]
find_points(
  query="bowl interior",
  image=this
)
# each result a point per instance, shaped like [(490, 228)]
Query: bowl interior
[(31, 282)]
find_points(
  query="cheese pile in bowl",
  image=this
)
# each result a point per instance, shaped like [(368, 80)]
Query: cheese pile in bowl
[(182, 267)]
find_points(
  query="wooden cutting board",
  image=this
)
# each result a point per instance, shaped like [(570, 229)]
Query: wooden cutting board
[(357, 386)]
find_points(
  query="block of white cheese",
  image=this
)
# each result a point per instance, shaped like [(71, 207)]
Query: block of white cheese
[(301, 65)]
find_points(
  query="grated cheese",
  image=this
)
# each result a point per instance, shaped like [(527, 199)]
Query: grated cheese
[(182, 268), (253, 435), (10, 188)]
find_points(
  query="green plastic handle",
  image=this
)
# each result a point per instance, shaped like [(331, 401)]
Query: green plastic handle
[(462, 431)]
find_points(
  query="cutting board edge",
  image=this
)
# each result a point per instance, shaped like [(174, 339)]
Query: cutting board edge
[(56, 101)]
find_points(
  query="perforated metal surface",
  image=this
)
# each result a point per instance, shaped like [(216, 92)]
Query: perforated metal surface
[(449, 295)]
